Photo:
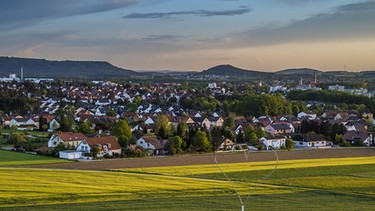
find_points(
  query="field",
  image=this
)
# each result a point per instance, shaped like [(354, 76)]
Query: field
[(340, 183), (8, 158)]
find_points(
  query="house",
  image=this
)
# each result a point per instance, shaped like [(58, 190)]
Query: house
[(23, 123), (66, 138), (272, 142), (151, 143), (278, 128), (226, 144), (263, 121), (309, 140), (331, 115), (107, 145), (175, 120), (103, 102), (149, 121), (53, 125), (202, 121), (308, 114), (216, 121), (358, 137)]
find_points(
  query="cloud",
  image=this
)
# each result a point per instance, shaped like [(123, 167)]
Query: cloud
[(21, 13), (239, 11), (298, 2), (352, 21)]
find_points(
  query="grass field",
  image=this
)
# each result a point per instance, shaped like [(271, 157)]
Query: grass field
[(315, 184), (9, 158)]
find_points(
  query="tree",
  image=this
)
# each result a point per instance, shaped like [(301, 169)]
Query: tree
[(122, 131), (260, 132), (295, 110), (174, 145), (216, 137), (182, 129), (289, 143), (250, 136), (161, 127), (229, 121), (110, 112), (240, 138), (66, 124), (200, 142), (18, 140), (84, 127), (95, 151)]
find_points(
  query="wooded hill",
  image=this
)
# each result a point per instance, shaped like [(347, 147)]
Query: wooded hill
[(41, 68), (101, 70)]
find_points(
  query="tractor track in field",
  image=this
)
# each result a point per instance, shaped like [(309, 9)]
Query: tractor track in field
[(207, 158)]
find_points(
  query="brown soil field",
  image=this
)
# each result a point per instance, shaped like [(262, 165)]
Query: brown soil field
[(209, 158)]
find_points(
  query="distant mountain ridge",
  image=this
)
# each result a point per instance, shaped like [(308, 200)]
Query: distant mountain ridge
[(101, 70), (61, 69)]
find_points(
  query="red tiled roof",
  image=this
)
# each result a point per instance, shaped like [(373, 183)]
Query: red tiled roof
[(104, 140), (69, 136)]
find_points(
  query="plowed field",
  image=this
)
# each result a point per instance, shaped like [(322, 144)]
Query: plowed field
[(223, 157)]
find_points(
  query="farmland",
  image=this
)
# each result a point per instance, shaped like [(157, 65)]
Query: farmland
[(340, 183)]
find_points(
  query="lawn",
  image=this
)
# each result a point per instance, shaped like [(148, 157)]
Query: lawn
[(316, 184), (10, 158)]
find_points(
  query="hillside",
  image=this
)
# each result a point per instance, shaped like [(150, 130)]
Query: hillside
[(102, 70), (229, 70), (42, 68), (298, 71)]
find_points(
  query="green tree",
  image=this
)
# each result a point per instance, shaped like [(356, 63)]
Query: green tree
[(162, 127), (229, 121), (240, 137), (250, 136), (110, 112), (18, 140), (122, 131), (295, 110), (289, 143), (182, 129), (95, 151), (200, 142), (260, 132), (84, 127), (174, 145), (338, 139), (66, 124)]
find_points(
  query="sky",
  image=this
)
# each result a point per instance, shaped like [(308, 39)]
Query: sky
[(264, 35)]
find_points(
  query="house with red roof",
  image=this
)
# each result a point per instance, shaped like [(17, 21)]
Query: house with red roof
[(66, 138), (106, 144)]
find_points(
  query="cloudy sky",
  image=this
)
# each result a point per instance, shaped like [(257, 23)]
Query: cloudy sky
[(265, 35)]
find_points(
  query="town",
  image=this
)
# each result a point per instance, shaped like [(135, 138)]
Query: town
[(103, 119)]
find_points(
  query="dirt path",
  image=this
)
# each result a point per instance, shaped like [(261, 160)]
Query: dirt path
[(227, 157)]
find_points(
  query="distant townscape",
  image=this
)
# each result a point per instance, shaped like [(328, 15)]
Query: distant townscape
[(82, 119)]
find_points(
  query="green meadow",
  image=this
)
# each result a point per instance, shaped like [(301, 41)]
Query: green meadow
[(10, 158), (314, 184)]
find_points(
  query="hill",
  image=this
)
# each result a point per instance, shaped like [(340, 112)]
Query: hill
[(229, 70), (299, 71), (41, 68)]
